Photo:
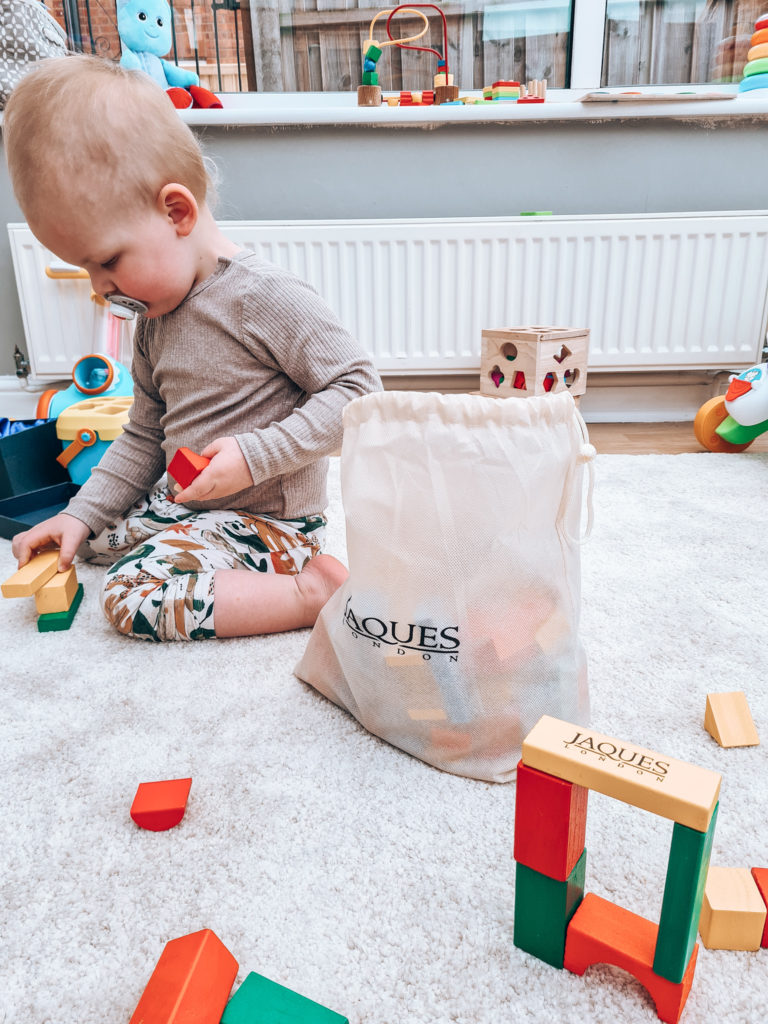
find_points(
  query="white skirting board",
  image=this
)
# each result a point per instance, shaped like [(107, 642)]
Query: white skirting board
[(666, 398)]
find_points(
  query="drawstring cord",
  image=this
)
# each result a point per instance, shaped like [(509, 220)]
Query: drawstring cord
[(585, 456)]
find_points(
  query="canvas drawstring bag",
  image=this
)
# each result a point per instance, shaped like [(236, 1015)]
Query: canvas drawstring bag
[(28, 33), (458, 626)]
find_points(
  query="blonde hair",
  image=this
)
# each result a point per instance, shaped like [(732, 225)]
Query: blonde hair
[(82, 128)]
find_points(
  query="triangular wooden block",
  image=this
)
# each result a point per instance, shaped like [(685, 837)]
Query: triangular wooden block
[(728, 720)]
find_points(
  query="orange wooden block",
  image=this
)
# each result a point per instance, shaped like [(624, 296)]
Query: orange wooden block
[(158, 806), (190, 984), (760, 876), (185, 466), (601, 932), (550, 822)]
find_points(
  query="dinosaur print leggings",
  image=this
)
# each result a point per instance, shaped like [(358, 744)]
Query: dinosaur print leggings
[(161, 585)]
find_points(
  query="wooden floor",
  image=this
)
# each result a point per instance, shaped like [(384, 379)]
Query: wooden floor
[(652, 438)]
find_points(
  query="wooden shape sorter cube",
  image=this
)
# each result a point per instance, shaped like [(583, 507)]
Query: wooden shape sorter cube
[(524, 361), (733, 912), (661, 957)]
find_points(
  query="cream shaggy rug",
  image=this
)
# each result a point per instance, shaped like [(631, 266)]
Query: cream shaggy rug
[(332, 862)]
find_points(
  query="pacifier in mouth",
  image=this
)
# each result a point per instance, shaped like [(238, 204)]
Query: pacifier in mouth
[(124, 307)]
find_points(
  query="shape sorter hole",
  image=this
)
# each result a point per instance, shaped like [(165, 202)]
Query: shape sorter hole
[(570, 377), (519, 384), (509, 351), (549, 381), (496, 376), (564, 353)]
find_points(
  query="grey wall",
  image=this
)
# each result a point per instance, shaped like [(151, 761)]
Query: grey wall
[(481, 170)]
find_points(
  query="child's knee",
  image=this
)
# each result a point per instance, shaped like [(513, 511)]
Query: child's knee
[(176, 608)]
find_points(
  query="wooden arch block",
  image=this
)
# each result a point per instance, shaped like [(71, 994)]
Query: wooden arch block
[(601, 932), (159, 806)]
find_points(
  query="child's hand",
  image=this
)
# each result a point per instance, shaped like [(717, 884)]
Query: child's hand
[(62, 531), (226, 474)]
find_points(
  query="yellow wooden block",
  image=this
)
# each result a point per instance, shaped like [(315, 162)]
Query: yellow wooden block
[(58, 593), (663, 785), (732, 912), (32, 576), (729, 721)]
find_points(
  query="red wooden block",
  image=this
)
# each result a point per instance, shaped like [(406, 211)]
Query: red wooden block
[(760, 876), (185, 466), (495, 84), (158, 806), (550, 822), (602, 933), (190, 984), (531, 99), (761, 23)]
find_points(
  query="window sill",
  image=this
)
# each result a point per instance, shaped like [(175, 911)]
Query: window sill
[(318, 109)]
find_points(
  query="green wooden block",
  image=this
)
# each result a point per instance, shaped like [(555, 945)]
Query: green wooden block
[(60, 620), (261, 1001), (370, 78), (373, 53), (683, 894), (544, 908)]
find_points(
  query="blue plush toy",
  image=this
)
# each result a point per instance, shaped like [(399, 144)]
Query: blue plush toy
[(145, 31)]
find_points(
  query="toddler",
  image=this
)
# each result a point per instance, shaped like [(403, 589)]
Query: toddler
[(234, 358)]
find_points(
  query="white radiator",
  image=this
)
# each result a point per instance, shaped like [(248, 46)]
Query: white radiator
[(667, 292)]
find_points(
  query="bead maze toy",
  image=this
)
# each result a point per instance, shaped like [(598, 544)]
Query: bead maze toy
[(554, 920), (524, 361), (57, 594), (731, 422), (369, 93)]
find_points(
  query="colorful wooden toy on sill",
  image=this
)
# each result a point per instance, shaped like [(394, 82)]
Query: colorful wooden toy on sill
[(756, 69), (731, 422), (554, 920), (146, 35), (57, 594), (524, 361), (369, 93)]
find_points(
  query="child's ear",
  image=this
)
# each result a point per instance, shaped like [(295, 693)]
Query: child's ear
[(177, 203)]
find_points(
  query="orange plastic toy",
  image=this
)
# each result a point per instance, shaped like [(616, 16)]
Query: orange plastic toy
[(185, 466), (191, 982), (159, 806)]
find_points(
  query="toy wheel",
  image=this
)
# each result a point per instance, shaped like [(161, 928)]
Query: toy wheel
[(708, 419)]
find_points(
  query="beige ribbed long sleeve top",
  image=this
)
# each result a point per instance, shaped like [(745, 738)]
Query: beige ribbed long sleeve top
[(253, 352)]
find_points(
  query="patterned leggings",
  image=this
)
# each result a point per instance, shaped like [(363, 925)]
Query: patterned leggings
[(161, 587)]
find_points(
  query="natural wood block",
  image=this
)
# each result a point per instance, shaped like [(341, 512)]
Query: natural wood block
[(369, 95), (601, 932), (728, 720), (56, 622), (733, 912), (550, 822), (191, 982), (638, 776), (38, 570), (58, 593), (412, 658)]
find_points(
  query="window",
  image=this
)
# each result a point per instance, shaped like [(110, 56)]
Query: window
[(670, 42), (316, 45)]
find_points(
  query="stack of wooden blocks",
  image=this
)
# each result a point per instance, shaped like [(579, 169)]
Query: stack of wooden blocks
[(518, 362), (554, 920), (57, 594)]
